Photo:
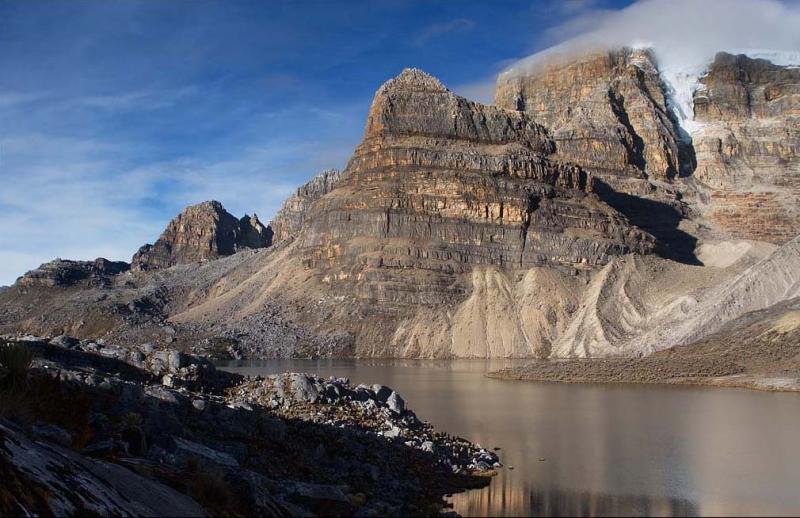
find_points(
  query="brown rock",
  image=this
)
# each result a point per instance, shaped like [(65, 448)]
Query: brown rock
[(607, 112), (748, 148), (201, 232), (289, 219)]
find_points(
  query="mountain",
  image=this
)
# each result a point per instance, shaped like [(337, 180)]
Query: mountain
[(748, 148), (289, 219), (202, 232), (583, 215), (444, 198)]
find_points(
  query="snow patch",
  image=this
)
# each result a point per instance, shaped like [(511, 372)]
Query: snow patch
[(682, 80)]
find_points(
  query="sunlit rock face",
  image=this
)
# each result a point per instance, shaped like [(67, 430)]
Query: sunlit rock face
[(441, 184), (748, 147), (441, 211), (202, 232), (606, 110)]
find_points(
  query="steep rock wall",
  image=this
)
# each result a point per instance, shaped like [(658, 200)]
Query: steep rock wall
[(748, 147)]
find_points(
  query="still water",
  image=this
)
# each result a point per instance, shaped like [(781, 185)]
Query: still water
[(598, 449)]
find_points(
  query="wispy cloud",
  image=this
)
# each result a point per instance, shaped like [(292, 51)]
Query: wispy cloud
[(681, 31), (82, 198), (437, 30)]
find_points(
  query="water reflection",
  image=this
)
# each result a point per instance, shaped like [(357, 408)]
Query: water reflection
[(599, 449), (556, 502)]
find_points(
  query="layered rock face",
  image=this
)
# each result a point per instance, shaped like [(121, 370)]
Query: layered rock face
[(453, 231), (465, 230), (607, 111), (202, 232), (289, 219), (445, 204), (441, 183), (748, 147)]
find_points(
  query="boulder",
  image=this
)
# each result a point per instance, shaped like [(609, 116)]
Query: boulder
[(303, 388), (396, 403)]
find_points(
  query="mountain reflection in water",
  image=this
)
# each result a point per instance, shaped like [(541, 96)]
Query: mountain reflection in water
[(555, 502), (598, 449)]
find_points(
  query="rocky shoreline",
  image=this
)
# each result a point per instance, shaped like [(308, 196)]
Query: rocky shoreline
[(104, 429)]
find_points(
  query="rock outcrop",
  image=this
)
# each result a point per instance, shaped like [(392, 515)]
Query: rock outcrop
[(607, 111), (41, 478), (748, 147), (202, 232), (119, 430), (61, 272), (440, 183), (289, 219)]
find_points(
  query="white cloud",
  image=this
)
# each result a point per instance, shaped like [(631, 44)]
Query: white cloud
[(79, 199), (681, 31)]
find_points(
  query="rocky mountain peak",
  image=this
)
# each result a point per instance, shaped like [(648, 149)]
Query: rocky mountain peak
[(414, 80), (289, 219), (199, 233), (606, 110), (417, 104), (254, 233)]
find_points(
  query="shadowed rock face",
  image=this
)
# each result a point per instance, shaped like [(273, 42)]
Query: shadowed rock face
[(202, 232), (748, 149)]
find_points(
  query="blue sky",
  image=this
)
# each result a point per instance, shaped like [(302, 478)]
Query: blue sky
[(116, 115)]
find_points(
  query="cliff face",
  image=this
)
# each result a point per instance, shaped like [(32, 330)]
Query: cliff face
[(748, 147), (607, 112), (202, 232), (466, 230), (289, 219), (453, 231), (441, 183)]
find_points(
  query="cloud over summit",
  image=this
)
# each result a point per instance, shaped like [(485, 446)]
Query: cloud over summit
[(682, 32)]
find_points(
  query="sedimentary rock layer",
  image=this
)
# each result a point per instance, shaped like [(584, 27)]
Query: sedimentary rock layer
[(289, 219), (748, 147), (606, 111), (446, 205)]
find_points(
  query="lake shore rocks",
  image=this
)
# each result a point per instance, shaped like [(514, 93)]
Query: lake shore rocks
[(171, 426)]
